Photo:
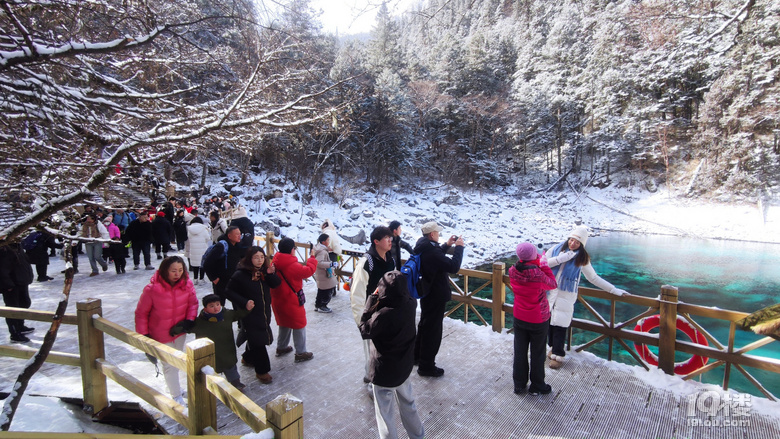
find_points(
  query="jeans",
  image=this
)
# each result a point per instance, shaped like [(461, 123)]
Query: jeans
[(232, 374), (533, 336), (95, 255), (384, 400), (299, 339), (557, 340)]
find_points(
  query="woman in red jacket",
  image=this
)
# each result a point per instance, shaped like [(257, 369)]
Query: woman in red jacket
[(289, 312), (530, 278), (168, 299)]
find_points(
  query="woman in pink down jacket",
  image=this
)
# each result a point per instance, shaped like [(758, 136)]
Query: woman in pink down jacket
[(530, 278), (168, 299)]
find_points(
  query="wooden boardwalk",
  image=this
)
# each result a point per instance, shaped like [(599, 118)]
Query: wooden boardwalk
[(474, 398)]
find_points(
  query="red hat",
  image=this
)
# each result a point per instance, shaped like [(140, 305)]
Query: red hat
[(161, 213)]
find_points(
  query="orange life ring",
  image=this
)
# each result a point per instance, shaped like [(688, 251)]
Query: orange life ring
[(683, 368)]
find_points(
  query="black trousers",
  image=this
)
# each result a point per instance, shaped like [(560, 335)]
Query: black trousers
[(533, 336), (323, 297), (17, 297), (41, 270), (257, 355), (429, 331), (138, 248), (557, 340)]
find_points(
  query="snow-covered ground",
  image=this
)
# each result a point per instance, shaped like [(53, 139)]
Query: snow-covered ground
[(492, 224)]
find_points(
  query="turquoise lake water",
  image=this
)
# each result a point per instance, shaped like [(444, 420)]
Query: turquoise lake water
[(730, 275)]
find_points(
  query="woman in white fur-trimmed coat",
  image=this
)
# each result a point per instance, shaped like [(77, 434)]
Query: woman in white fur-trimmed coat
[(568, 260), (198, 240)]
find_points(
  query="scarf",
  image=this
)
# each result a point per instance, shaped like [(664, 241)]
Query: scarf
[(570, 277), (212, 317)]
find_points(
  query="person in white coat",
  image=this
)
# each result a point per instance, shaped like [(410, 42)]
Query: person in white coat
[(568, 260), (198, 240)]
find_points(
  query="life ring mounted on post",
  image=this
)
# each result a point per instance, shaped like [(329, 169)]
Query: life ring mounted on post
[(682, 368)]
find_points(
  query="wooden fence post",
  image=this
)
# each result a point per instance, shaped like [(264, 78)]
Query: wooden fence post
[(667, 331), (499, 296), (201, 404), (269, 244), (285, 417), (91, 348)]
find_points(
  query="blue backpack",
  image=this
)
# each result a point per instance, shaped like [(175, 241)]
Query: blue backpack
[(31, 241), (418, 287), (210, 251)]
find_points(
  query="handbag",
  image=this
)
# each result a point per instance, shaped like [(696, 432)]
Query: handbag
[(299, 293)]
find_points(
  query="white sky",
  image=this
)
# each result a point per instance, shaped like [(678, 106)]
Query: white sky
[(355, 16)]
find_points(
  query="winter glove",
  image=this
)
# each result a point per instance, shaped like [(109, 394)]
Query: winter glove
[(334, 264), (543, 260), (618, 292), (561, 258)]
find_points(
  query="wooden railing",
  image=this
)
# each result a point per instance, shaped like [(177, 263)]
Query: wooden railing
[(203, 385)]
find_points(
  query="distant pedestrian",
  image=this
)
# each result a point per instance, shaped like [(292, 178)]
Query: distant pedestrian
[(388, 321), (180, 230), (39, 255), (220, 265), (139, 233), (568, 260), (16, 275), (286, 302), (162, 235), (218, 225), (92, 228), (329, 228), (530, 278), (398, 244), (116, 250), (198, 241), (327, 282)]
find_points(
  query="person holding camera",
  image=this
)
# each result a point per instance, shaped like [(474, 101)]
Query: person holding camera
[(434, 266)]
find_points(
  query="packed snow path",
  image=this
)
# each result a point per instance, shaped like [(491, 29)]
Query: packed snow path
[(474, 399)]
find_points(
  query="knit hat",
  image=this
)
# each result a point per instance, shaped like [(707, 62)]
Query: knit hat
[(526, 251), (431, 226), (161, 213), (286, 245), (580, 233)]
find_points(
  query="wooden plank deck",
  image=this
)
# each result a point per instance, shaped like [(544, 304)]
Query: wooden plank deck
[(474, 399)]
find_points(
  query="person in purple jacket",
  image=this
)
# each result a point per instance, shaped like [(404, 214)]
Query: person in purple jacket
[(530, 278)]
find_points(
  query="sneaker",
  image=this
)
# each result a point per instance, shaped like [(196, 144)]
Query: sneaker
[(93, 274), (179, 399), (284, 351), (433, 372), (305, 356), (135, 267), (324, 309), (539, 391), (158, 256), (265, 378), (520, 390), (149, 267), (105, 267), (238, 385), (19, 338), (26, 330)]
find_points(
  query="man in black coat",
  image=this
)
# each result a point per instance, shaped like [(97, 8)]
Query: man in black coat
[(434, 266), (15, 277), (388, 321), (162, 235), (39, 255), (139, 232)]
